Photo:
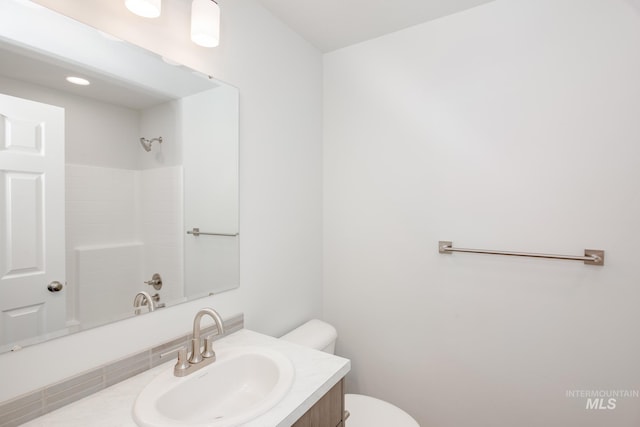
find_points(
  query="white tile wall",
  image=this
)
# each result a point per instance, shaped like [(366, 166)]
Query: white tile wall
[(110, 276), (122, 226), (101, 210), (161, 228)]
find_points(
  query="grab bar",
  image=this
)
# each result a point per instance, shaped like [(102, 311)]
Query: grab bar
[(196, 232), (591, 256)]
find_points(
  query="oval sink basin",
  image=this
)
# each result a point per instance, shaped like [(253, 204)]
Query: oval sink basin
[(243, 383)]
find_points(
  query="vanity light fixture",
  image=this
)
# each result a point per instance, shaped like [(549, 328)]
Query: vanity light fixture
[(145, 8), (205, 23), (78, 81)]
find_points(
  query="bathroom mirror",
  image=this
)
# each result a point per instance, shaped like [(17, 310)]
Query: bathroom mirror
[(132, 178)]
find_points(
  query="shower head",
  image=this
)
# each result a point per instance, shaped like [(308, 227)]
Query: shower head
[(146, 143)]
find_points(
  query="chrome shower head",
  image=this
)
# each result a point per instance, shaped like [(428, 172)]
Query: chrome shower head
[(146, 143)]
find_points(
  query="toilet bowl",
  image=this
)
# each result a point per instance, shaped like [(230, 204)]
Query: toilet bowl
[(365, 411)]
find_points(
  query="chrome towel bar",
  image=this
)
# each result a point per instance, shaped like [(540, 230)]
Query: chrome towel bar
[(591, 256), (196, 232)]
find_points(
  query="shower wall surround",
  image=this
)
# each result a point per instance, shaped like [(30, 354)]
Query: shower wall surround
[(280, 125), (122, 227)]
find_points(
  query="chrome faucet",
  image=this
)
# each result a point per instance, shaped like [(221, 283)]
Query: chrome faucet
[(143, 298), (198, 358)]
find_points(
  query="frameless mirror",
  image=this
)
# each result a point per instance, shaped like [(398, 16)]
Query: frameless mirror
[(118, 192)]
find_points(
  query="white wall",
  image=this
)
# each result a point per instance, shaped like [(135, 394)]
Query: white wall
[(280, 81), (513, 125)]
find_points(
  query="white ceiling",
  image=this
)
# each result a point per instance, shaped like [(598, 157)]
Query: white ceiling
[(333, 24)]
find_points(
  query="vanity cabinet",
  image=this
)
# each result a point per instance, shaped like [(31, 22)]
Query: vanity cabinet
[(327, 412)]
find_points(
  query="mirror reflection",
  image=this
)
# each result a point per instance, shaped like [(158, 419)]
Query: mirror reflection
[(101, 181)]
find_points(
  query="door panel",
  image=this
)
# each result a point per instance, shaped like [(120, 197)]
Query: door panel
[(23, 205), (22, 322)]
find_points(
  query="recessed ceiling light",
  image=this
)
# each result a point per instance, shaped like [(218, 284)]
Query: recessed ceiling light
[(78, 81), (145, 8)]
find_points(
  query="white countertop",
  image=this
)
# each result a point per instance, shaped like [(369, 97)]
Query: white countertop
[(316, 373)]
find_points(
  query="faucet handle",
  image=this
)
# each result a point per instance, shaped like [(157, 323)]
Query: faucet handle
[(208, 348), (182, 363), (156, 281)]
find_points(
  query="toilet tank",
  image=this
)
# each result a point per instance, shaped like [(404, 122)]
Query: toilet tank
[(315, 334)]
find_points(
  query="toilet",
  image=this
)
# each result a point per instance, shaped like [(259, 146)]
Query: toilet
[(365, 411)]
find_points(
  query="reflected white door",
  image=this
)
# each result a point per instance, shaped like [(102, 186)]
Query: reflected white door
[(32, 239)]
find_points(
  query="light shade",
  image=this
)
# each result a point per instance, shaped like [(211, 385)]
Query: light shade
[(205, 23), (145, 8)]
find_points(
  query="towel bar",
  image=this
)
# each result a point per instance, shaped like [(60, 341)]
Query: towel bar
[(591, 256)]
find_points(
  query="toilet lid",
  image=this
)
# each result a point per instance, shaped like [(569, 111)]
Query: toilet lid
[(367, 411)]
